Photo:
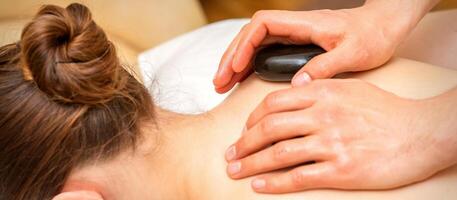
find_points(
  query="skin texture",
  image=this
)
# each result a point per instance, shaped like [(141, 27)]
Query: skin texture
[(184, 159), (187, 162), (348, 134), (355, 39), (337, 125)]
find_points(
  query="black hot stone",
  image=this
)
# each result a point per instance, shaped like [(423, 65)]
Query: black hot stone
[(281, 62)]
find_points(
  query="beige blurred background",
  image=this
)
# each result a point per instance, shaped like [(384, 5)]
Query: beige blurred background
[(224, 9), (133, 26), (137, 25)]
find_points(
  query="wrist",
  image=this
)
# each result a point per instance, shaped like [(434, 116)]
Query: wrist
[(396, 18), (411, 11)]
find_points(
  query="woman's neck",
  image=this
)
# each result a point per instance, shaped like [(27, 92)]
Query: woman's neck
[(188, 144), (176, 142)]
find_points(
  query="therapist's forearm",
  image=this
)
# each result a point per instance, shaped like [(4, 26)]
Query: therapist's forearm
[(398, 17)]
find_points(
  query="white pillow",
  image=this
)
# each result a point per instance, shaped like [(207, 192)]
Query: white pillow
[(179, 73)]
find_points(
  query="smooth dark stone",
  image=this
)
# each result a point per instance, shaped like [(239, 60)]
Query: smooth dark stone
[(281, 62)]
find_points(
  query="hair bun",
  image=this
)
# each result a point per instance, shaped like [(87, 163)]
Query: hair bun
[(69, 57)]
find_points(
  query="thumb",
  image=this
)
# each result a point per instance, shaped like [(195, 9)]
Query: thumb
[(322, 66)]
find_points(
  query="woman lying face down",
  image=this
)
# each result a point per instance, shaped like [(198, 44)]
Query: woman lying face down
[(65, 102), (76, 125)]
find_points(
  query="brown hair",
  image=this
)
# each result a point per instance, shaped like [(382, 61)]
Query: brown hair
[(65, 100)]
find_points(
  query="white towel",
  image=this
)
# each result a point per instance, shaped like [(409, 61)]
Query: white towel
[(179, 73)]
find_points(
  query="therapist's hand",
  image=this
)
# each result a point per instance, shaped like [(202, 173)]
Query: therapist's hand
[(355, 39), (345, 134), (354, 42)]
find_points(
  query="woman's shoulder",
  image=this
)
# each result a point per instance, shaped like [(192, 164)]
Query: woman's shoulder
[(409, 78)]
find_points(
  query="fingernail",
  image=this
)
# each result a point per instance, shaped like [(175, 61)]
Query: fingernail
[(234, 168), (301, 79), (258, 183), (230, 153)]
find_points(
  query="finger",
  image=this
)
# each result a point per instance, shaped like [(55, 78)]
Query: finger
[(238, 77), (311, 176), (273, 128), (225, 72), (227, 87), (261, 26), (269, 40), (281, 155), (281, 101), (223, 77), (323, 66)]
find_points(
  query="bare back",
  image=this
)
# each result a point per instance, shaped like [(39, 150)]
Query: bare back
[(223, 126)]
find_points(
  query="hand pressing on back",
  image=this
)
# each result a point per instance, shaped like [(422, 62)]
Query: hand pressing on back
[(345, 134)]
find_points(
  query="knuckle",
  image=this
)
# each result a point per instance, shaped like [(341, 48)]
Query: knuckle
[(280, 152), (344, 164), (334, 140), (344, 168), (363, 54), (270, 101), (267, 124), (260, 15), (298, 178), (327, 142), (324, 88), (324, 118), (334, 112), (327, 113), (333, 87)]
